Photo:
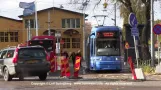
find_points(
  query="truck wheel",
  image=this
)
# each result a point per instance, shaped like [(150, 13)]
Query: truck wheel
[(6, 75), (43, 76)]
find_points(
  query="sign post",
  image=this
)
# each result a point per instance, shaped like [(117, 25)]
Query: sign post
[(134, 32), (127, 47), (58, 35), (157, 31)]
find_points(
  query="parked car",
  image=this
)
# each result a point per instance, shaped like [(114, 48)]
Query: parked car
[(24, 61)]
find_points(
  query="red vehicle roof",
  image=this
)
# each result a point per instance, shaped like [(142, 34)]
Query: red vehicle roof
[(43, 37)]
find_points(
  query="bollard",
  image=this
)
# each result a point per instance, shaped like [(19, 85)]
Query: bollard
[(132, 68)]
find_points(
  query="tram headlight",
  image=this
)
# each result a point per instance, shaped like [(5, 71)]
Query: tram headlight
[(99, 59), (117, 58)]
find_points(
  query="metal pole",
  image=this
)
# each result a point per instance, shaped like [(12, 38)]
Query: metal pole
[(158, 48), (36, 18), (49, 32), (84, 46), (29, 32), (127, 53), (136, 51), (115, 13), (159, 54), (152, 35)]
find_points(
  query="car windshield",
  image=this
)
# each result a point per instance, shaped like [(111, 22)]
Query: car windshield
[(108, 47), (31, 53)]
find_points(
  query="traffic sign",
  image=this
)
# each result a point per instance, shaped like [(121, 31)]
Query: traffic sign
[(134, 31), (132, 20), (157, 29), (127, 45)]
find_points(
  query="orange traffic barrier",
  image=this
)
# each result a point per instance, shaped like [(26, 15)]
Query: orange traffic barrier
[(77, 66), (132, 67), (62, 68), (65, 70), (56, 65), (52, 61)]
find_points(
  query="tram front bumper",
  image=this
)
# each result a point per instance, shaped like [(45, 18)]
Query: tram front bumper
[(103, 65)]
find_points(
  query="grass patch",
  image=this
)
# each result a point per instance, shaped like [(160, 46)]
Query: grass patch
[(148, 69)]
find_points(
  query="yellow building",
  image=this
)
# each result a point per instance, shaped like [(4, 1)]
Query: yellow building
[(10, 32), (68, 23)]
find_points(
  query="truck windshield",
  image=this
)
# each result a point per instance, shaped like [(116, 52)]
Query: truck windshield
[(108, 47), (47, 44)]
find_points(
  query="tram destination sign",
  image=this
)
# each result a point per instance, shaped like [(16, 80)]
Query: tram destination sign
[(106, 34)]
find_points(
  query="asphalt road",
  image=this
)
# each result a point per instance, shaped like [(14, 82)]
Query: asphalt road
[(94, 81), (89, 81)]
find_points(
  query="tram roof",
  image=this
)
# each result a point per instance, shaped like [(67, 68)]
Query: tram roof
[(105, 28)]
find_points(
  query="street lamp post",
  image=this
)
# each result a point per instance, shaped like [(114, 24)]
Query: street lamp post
[(84, 33), (115, 12), (152, 35)]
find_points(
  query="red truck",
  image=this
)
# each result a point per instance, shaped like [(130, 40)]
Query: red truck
[(49, 44)]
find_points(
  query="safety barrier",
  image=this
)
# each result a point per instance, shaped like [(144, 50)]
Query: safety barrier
[(132, 67), (65, 70), (53, 62), (77, 66)]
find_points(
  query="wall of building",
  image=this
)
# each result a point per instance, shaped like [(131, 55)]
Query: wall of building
[(8, 27), (56, 17)]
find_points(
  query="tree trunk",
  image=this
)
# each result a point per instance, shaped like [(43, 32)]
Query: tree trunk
[(146, 35)]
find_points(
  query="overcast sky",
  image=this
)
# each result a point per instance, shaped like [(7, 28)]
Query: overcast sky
[(10, 8)]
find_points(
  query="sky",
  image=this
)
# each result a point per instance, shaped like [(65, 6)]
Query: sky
[(10, 8)]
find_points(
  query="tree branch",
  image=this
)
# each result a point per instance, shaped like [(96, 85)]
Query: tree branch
[(97, 4), (127, 4)]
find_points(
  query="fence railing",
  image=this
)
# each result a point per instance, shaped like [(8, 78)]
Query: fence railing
[(148, 62)]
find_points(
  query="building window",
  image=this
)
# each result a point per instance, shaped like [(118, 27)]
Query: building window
[(8, 36), (75, 42), (66, 42), (1, 36), (71, 23), (13, 36), (32, 23), (77, 23), (4, 37), (63, 23), (68, 23)]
